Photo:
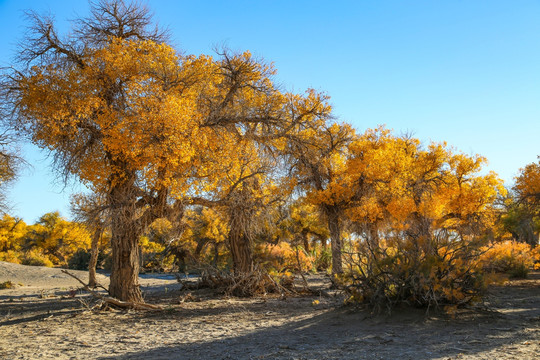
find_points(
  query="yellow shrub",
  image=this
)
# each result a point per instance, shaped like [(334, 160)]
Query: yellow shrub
[(536, 257), (11, 256), (419, 272), (283, 257), (509, 257), (36, 258)]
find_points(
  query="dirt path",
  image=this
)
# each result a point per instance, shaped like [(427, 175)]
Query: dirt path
[(56, 326)]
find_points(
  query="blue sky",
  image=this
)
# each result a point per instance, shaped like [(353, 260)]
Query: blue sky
[(466, 72)]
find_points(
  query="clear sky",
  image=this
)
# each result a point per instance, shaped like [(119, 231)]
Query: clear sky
[(466, 72)]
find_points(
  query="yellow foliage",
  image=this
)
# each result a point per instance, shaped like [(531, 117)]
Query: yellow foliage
[(282, 257), (12, 232), (528, 184), (509, 257), (536, 257), (57, 238)]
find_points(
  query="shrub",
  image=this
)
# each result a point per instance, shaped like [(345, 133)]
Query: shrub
[(434, 272), (509, 257), (536, 257), (11, 256), (79, 260), (283, 257), (322, 258), (6, 285), (36, 258)]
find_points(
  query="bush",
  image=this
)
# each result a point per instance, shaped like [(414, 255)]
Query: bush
[(283, 257), (6, 285), (436, 272), (79, 260), (322, 258), (36, 258), (509, 257), (11, 256), (536, 257)]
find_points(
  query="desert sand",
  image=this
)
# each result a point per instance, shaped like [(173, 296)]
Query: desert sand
[(45, 317)]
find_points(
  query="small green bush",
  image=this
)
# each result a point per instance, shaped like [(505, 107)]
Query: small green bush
[(79, 260)]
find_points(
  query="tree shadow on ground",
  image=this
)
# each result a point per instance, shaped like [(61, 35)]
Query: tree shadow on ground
[(28, 308)]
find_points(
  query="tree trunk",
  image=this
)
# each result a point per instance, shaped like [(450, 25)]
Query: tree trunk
[(216, 254), (125, 229), (125, 262), (527, 231), (334, 227), (239, 239), (373, 237), (241, 252), (305, 240), (201, 243), (94, 252)]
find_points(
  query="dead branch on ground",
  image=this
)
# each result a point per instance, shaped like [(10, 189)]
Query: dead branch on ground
[(112, 301)]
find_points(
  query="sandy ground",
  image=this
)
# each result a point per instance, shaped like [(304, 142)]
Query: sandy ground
[(41, 320)]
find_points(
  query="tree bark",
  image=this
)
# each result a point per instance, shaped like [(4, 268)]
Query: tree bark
[(125, 268), (241, 252), (216, 254), (334, 227), (240, 218), (94, 252), (373, 236), (125, 229), (305, 240)]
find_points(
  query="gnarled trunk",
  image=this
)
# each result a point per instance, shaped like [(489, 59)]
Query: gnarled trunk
[(240, 213), (334, 227), (125, 261), (125, 229), (241, 251)]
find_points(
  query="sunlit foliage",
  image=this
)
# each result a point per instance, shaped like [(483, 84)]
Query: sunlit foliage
[(421, 216), (57, 237), (508, 257)]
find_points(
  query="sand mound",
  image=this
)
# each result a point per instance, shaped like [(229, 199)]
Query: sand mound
[(42, 277)]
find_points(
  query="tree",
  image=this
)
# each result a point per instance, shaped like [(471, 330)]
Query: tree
[(525, 212), (112, 103), (9, 164), (527, 185), (305, 222), (518, 220), (204, 227), (240, 194), (421, 215), (57, 237), (132, 119), (317, 154), (12, 233)]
